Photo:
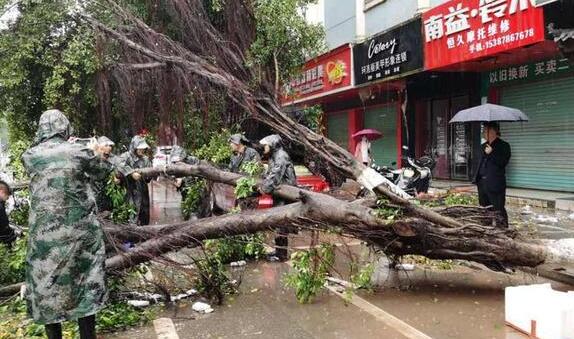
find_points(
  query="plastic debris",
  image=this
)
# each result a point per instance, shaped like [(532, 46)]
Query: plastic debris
[(138, 303), (201, 307), (571, 216), (178, 297), (526, 210), (191, 292), (405, 267), (22, 292), (238, 263), (546, 218)]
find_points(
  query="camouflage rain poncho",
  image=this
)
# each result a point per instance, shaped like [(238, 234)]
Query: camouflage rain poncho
[(65, 259)]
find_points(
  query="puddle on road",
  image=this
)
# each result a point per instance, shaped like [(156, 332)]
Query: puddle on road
[(461, 303), (543, 223)]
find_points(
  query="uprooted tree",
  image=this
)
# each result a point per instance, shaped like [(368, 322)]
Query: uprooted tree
[(412, 233), (203, 62)]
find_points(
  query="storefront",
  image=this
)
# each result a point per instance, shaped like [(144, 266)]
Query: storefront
[(543, 147), (495, 39), (326, 80), (381, 64)]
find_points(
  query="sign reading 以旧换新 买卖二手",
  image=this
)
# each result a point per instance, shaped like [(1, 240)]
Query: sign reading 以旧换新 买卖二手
[(465, 30)]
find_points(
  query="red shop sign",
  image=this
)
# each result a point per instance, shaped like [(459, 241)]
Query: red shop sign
[(463, 30), (326, 74)]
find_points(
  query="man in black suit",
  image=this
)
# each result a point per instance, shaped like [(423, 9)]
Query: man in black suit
[(491, 174)]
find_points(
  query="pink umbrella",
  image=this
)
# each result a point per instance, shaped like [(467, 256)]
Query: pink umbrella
[(370, 133)]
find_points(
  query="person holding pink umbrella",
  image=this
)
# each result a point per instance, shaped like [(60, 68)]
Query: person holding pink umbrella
[(363, 148)]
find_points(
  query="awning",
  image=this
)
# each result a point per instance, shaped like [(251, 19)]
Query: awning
[(561, 35)]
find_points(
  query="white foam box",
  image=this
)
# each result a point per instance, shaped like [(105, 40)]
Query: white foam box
[(540, 311)]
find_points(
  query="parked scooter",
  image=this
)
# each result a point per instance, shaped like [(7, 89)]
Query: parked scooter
[(413, 178), (416, 176)]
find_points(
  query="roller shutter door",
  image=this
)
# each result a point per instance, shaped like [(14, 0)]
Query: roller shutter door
[(383, 119), (543, 148), (338, 128)]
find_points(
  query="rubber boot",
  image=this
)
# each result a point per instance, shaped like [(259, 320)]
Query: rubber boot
[(87, 327), (54, 331)]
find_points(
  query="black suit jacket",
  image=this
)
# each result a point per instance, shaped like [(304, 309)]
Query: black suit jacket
[(494, 166)]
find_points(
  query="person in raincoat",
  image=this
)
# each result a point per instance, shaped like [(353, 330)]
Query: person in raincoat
[(242, 153), (65, 257), (280, 171), (106, 147), (363, 151), (137, 187)]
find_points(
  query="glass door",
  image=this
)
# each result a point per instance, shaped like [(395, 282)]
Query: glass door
[(460, 141), (440, 115)]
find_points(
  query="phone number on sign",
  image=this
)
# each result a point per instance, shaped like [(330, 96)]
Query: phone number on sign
[(506, 39)]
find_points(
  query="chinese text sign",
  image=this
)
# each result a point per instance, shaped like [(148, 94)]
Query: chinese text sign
[(320, 76), (464, 30)]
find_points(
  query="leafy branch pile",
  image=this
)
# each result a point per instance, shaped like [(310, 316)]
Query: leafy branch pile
[(310, 270), (194, 193), (122, 210)]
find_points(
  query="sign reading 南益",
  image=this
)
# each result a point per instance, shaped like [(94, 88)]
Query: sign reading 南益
[(533, 71), (389, 54), (464, 30)]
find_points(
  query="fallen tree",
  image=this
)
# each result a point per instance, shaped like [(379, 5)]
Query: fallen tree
[(476, 241), (206, 62)]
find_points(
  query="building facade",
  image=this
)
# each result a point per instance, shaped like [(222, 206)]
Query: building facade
[(411, 71)]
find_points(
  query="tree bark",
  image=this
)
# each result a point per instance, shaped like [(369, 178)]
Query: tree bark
[(317, 211)]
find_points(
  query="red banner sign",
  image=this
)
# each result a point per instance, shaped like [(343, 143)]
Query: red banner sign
[(464, 30), (321, 76)]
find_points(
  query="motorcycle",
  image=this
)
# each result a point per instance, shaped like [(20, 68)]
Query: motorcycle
[(414, 178)]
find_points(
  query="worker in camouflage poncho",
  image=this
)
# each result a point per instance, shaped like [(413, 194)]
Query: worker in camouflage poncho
[(65, 258), (138, 193)]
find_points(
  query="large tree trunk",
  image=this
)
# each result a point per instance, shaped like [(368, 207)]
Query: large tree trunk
[(411, 234)]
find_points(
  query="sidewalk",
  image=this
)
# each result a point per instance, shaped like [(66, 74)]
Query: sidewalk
[(518, 196)]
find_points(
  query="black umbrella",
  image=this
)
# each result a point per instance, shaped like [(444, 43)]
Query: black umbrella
[(489, 112)]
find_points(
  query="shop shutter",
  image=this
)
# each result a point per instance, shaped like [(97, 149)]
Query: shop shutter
[(542, 148), (338, 128), (383, 119)]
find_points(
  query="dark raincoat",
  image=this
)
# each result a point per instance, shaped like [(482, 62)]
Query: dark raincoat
[(65, 258), (137, 190), (280, 169), (248, 155), (102, 200)]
